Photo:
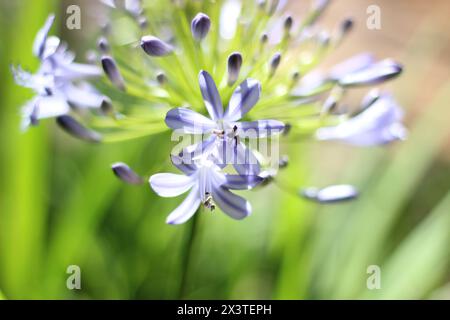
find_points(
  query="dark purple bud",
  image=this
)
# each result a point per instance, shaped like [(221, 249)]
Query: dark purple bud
[(200, 26), (161, 78), (126, 174), (288, 23), (264, 38), (287, 129), (103, 45), (346, 25), (112, 71), (234, 67), (76, 129), (331, 194), (295, 77), (274, 63), (155, 47), (106, 107)]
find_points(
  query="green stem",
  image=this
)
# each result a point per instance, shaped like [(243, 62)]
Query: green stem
[(187, 254)]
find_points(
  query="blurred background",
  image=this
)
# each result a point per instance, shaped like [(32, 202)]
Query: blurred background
[(60, 204)]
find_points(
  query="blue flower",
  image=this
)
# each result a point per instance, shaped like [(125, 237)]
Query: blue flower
[(208, 186), (380, 123), (58, 82), (223, 129)]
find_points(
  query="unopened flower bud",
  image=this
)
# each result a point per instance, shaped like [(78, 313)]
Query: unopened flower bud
[(346, 25), (112, 71), (288, 23), (155, 47), (126, 174), (274, 63), (264, 38), (103, 45), (106, 107), (234, 67), (76, 129), (200, 26), (161, 78)]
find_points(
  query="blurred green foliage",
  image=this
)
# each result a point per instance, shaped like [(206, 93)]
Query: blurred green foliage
[(60, 205)]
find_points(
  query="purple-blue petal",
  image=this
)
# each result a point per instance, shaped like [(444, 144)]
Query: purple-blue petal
[(356, 63), (241, 182), (184, 163), (243, 99), (376, 73), (230, 203), (211, 96), (189, 121), (41, 37), (260, 128), (186, 209), (244, 161)]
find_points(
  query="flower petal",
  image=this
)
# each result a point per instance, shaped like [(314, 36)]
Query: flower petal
[(243, 99), (170, 184), (188, 120), (186, 209), (239, 182), (260, 128), (201, 149), (331, 194), (83, 96), (353, 64), (211, 96), (41, 37), (74, 71), (51, 106), (187, 166), (230, 203), (244, 161), (378, 124), (377, 73)]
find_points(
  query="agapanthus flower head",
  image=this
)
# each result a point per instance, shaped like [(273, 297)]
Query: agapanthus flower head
[(59, 82), (263, 78)]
